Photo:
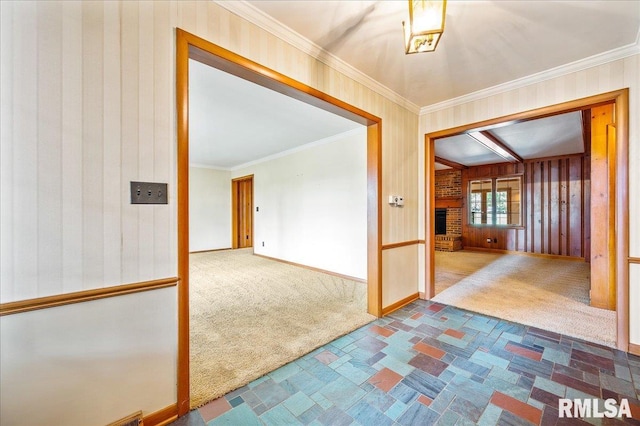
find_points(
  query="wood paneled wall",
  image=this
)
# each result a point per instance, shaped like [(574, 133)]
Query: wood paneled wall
[(555, 208)]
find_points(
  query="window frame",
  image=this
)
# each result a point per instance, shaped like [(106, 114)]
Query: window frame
[(490, 219)]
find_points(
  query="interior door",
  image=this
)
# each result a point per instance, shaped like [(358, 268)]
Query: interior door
[(242, 190)]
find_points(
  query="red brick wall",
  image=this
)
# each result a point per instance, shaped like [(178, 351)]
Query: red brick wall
[(449, 184)]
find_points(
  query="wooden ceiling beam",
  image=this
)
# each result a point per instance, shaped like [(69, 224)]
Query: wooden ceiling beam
[(496, 145), (451, 164)]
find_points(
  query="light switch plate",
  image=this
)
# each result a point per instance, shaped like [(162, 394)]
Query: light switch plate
[(149, 193)]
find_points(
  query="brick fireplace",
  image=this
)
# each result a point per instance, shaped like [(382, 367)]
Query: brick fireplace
[(448, 188)]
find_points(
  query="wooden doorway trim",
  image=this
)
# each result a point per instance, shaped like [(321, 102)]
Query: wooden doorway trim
[(235, 209), (618, 223), (189, 46)]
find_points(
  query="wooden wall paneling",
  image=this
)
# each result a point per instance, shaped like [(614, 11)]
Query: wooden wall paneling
[(576, 207), (600, 273), (536, 207), (112, 183), (71, 155), (93, 232), (47, 122), (6, 150), (130, 69), (552, 208), (586, 203), (145, 78), (555, 207), (565, 198)]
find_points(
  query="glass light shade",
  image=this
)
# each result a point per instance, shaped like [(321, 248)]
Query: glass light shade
[(426, 25)]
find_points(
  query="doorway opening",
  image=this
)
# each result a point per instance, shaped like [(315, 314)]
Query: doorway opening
[(189, 46), (242, 212), (609, 264)]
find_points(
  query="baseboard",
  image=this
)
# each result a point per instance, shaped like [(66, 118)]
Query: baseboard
[(400, 303), (161, 417), (335, 274), (634, 349), (209, 250), (526, 253)]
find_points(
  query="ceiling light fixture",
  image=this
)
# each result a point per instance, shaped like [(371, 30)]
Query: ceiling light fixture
[(426, 25)]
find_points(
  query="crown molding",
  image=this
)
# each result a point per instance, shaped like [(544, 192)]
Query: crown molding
[(267, 23), (579, 65), (360, 130)]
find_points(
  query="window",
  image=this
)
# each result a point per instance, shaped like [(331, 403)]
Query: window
[(495, 201)]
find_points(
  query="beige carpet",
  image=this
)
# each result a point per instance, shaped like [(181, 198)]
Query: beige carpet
[(251, 315), (545, 293)]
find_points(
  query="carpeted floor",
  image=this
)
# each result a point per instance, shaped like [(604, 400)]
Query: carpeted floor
[(250, 315), (546, 293)]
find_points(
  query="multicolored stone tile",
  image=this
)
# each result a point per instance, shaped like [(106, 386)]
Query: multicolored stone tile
[(432, 364)]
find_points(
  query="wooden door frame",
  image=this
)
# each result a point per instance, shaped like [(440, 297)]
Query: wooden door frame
[(189, 46), (618, 222), (234, 209)]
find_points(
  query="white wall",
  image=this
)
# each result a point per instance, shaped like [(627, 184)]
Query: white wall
[(313, 205), (89, 363), (587, 81), (209, 209)]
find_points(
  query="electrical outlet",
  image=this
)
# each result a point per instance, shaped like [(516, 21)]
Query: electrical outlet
[(149, 193)]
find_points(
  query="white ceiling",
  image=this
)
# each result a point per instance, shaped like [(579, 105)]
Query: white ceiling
[(486, 43), (233, 121)]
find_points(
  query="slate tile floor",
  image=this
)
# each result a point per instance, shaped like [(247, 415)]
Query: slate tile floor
[(431, 364)]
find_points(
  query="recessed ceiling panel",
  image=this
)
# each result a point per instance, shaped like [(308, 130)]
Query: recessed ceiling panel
[(463, 149), (544, 137)]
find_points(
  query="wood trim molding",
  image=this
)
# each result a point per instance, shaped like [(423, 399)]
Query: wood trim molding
[(21, 306), (619, 250), (401, 244), (400, 303), (634, 260), (189, 46), (161, 417), (449, 202), (311, 268), (518, 117), (634, 349)]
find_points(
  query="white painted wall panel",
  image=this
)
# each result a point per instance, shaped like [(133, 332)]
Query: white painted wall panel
[(209, 209), (313, 205), (118, 359), (400, 271)]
